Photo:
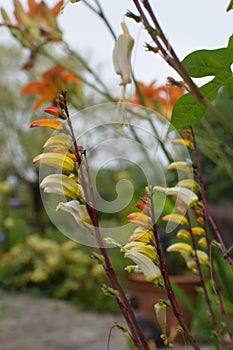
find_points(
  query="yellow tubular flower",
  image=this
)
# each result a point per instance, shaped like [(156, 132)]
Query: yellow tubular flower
[(180, 248), (145, 265), (183, 234), (61, 141), (180, 166), (160, 309), (62, 184), (122, 55), (190, 262), (202, 257), (141, 234), (56, 160), (177, 218), (185, 194), (143, 248), (198, 231), (184, 142), (189, 183), (202, 242)]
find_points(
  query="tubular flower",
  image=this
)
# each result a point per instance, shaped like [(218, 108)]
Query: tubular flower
[(122, 55), (201, 221), (189, 183), (49, 123), (186, 195), (198, 231), (61, 141), (64, 152), (183, 234), (202, 242), (56, 160), (56, 112), (202, 257), (139, 219), (142, 248), (160, 309), (62, 184), (184, 142), (142, 234), (183, 166), (177, 218), (190, 262), (145, 265), (180, 248), (78, 211)]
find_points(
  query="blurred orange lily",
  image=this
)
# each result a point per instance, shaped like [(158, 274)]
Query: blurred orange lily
[(161, 98), (49, 86)]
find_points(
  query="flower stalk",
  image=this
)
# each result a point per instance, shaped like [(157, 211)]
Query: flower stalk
[(167, 283), (134, 330), (208, 215)]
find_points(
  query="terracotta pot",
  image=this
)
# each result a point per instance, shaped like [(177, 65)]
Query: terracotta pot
[(147, 295)]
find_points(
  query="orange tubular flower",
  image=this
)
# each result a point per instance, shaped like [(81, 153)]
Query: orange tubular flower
[(161, 98), (139, 219), (143, 207), (49, 123), (53, 111)]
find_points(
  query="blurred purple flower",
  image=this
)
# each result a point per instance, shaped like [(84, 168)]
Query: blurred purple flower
[(15, 203), (2, 237)]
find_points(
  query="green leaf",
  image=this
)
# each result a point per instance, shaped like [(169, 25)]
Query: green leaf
[(204, 63)]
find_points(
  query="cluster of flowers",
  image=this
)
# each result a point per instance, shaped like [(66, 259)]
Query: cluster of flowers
[(187, 215), (59, 152)]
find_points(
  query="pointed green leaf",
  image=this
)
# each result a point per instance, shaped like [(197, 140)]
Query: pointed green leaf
[(204, 63)]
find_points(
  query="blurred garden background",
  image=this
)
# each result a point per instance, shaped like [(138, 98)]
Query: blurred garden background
[(34, 256)]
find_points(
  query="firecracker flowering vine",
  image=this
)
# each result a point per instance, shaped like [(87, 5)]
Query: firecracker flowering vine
[(188, 217)]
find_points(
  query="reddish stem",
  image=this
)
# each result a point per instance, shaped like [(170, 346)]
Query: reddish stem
[(213, 271), (168, 287), (206, 208), (126, 309), (207, 299)]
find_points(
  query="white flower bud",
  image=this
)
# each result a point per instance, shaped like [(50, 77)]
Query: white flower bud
[(122, 55)]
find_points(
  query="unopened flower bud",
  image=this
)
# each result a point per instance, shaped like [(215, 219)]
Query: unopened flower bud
[(122, 55)]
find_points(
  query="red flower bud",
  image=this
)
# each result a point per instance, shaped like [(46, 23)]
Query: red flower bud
[(53, 111), (200, 220)]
